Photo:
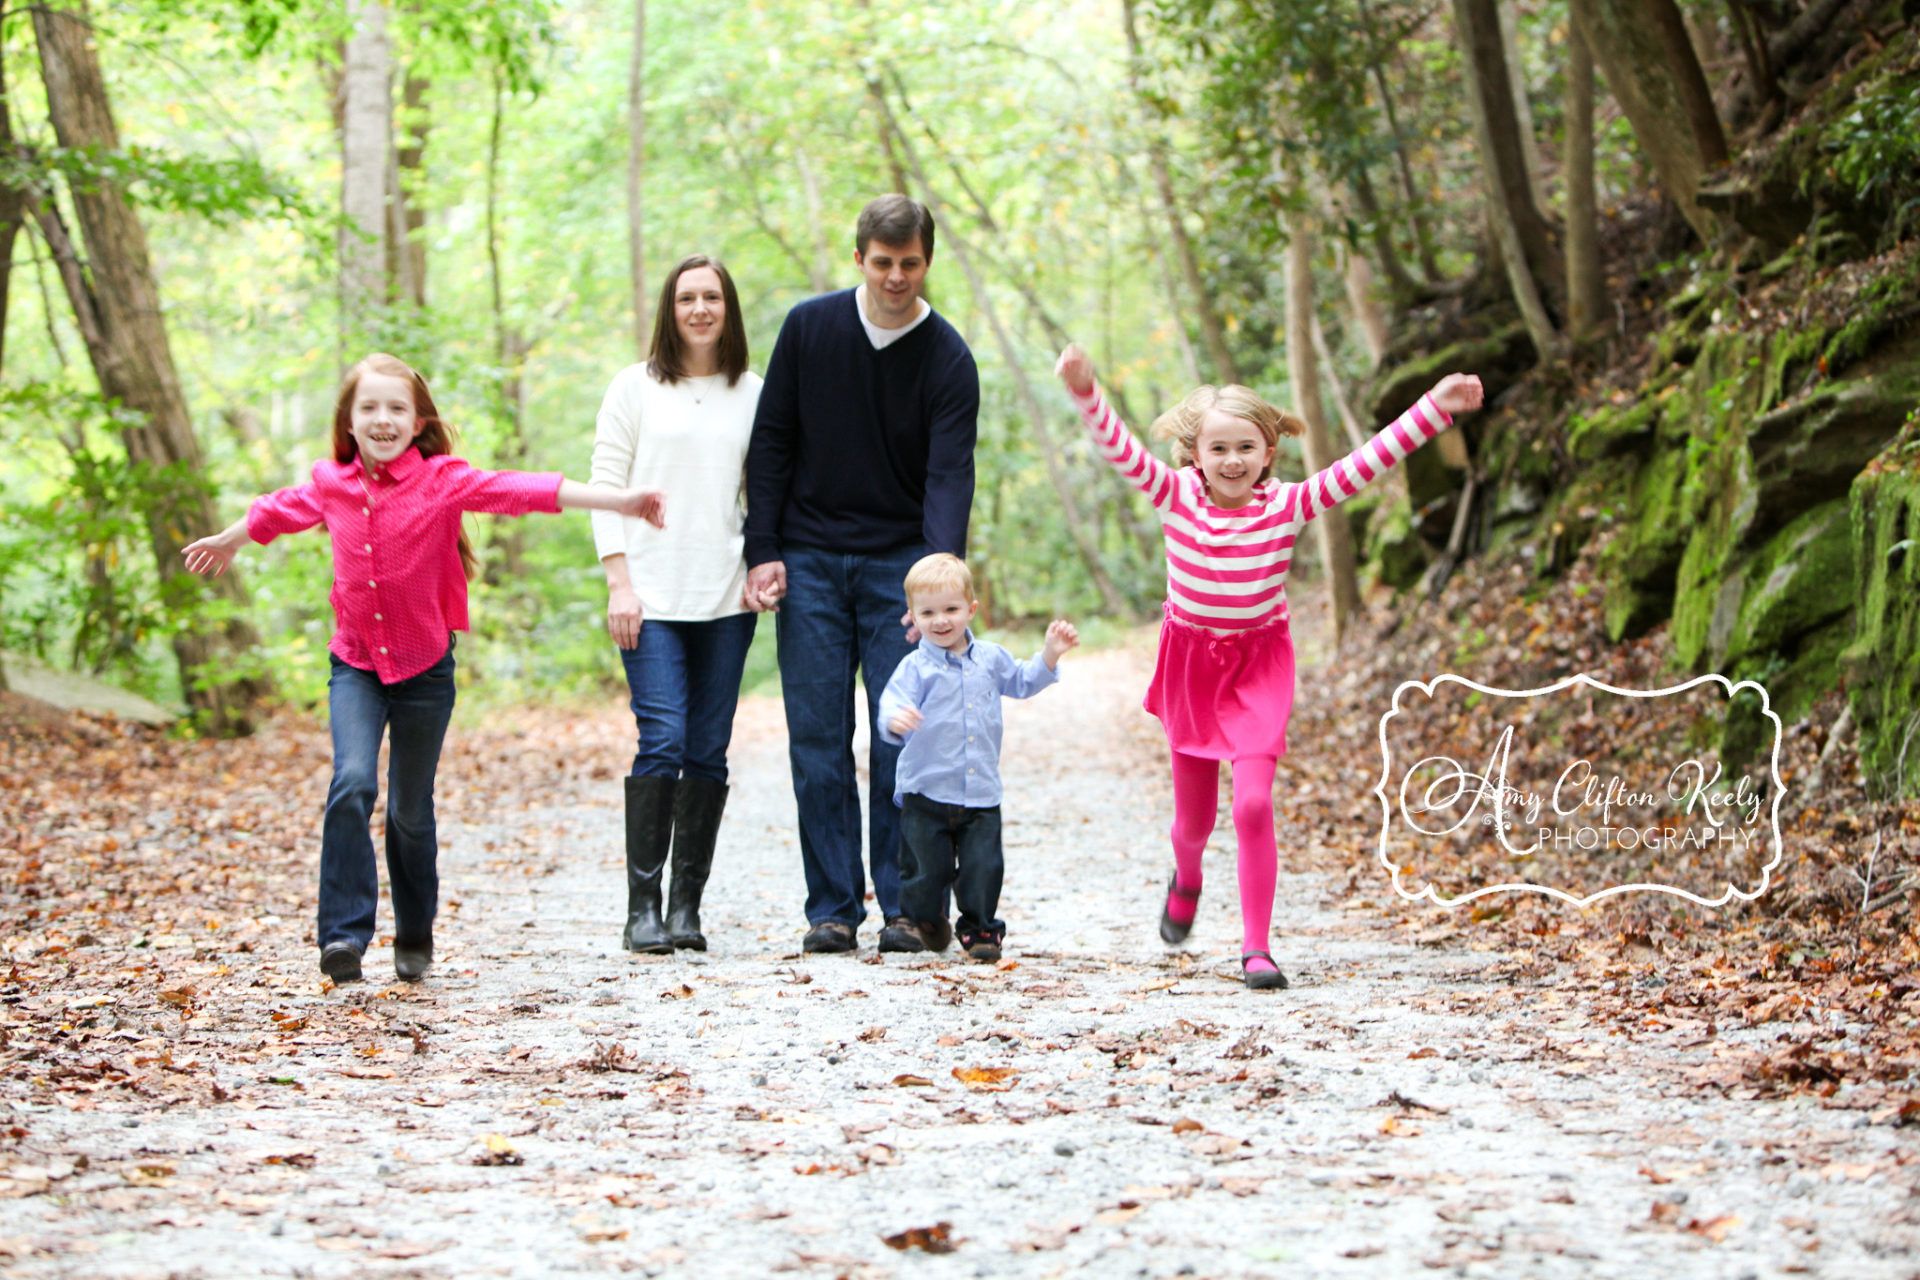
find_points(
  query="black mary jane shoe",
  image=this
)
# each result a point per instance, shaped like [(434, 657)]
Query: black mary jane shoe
[(1261, 979), (1172, 932)]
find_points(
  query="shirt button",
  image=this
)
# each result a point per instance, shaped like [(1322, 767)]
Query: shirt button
[(383, 648), (365, 511), (377, 618), (372, 583), (369, 546), (969, 770)]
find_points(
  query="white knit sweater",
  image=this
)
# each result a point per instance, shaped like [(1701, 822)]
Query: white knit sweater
[(690, 441)]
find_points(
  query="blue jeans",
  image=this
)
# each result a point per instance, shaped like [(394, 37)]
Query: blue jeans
[(685, 681), (949, 846), (842, 612), (417, 710)]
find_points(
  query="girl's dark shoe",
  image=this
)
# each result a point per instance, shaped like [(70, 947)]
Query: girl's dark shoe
[(341, 962), (1172, 932), (982, 947), (697, 806), (1261, 979), (649, 832), (411, 960)]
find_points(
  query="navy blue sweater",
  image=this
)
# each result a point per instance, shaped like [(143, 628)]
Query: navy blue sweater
[(857, 450)]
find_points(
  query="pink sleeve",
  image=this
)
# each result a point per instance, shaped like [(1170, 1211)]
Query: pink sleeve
[(1123, 452), (290, 510), (1389, 449), (506, 493)]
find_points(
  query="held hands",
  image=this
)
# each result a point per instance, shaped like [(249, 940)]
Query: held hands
[(1075, 368), (1061, 636), (905, 721), (211, 555), (1457, 393), (766, 587), (624, 617)]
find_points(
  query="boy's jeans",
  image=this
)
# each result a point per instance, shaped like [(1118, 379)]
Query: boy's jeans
[(950, 845), (362, 709), (842, 612)]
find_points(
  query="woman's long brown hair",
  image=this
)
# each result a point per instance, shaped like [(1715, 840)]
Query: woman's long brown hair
[(432, 438)]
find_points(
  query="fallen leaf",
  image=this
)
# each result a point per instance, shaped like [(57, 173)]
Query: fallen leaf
[(986, 1079), (1714, 1229), (1184, 1125), (1399, 1127), (913, 1082), (933, 1239)]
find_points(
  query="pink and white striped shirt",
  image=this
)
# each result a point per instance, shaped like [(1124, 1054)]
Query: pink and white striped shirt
[(398, 585), (1227, 570)]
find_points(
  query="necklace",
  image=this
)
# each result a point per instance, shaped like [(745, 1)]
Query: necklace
[(701, 385)]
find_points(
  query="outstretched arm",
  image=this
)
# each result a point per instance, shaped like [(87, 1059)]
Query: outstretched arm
[(211, 555), (1455, 393), (641, 504), (1123, 452), (288, 510)]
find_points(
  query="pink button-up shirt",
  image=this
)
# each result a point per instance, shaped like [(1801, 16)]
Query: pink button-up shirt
[(398, 586)]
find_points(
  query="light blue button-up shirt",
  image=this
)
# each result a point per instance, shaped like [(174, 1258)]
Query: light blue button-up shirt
[(954, 756)]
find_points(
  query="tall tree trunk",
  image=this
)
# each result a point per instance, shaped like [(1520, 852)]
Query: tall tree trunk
[(820, 266), (1522, 103), (636, 159), (1586, 288), (1084, 540), (1635, 52), (366, 135), (407, 249), (1334, 534), (1356, 275), (509, 354), (118, 305), (1416, 204), (1403, 286), (1213, 333), (1527, 250), (13, 212)]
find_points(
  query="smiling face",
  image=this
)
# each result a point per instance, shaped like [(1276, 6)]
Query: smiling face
[(943, 615), (700, 313), (895, 275), (385, 421), (1232, 454)]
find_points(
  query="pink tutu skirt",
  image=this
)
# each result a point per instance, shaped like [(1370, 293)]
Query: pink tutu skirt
[(1222, 697)]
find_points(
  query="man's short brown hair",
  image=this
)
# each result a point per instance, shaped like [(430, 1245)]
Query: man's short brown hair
[(894, 220)]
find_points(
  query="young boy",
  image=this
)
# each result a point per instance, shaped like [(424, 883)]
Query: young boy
[(944, 703)]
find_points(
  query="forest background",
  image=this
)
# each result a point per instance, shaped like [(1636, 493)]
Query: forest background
[(210, 209)]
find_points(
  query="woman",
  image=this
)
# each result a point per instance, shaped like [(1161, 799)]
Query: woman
[(674, 595)]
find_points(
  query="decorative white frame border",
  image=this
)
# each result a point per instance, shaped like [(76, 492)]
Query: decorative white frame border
[(1432, 894)]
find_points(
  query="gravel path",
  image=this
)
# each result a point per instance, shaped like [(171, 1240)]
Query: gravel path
[(546, 1105)]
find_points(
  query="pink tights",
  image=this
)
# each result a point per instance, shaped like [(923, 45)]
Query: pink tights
[(1196, 799)]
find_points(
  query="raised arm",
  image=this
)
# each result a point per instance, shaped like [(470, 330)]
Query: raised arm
[(900, 703), (1430, 415), (1123, 452)]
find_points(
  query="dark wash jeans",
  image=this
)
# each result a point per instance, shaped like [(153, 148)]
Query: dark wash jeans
[(363, 709), (684, 678), (842, 612), (946, 846)]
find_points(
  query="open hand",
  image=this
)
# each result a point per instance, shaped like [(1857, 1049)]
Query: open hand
[(1061, 636), (1457, 393), (644, 504), (208, 557), (905, 721), (913, 632), (1075, 368)]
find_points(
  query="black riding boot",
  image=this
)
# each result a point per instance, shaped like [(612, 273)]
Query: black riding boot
[(697, 806), (649, 831)]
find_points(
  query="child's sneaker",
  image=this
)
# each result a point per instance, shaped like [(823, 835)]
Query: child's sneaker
[(937, 934), (982, 946)]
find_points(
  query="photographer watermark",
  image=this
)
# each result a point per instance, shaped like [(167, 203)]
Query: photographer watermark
[(1580, 790)]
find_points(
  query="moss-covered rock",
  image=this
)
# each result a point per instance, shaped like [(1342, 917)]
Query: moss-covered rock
[(1615, 430), (1642, 563), (1798, 582), (1883, 662), (1499, 358)]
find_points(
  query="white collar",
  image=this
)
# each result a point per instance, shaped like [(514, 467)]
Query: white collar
[(883, 338)]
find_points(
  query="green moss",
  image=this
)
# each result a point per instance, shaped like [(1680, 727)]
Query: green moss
[(1801, 579), (1881, 309), (1883, 662), (1610, 431)]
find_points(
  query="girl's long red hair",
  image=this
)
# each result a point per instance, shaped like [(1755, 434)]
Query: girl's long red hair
[(433, 437)]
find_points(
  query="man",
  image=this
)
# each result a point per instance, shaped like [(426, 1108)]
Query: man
[(861, 463)]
